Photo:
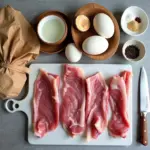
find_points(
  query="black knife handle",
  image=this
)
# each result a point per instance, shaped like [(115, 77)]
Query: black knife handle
[(143, 128)]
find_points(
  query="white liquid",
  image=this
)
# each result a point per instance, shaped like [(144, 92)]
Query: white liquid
[(53, 30)]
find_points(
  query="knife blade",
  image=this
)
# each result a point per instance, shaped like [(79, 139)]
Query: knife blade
[(144, 106)]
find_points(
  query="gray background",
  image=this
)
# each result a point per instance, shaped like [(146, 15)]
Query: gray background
[(13, 127)]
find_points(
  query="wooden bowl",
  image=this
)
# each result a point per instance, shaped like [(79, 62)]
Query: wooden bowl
[(55, 48), (90, 10), (58, 17)]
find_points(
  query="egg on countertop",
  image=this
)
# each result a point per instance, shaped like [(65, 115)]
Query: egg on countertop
[(104, 25), (72, 53), (95, 45)]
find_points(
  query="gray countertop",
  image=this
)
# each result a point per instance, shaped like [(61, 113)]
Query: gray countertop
[(13, 127)]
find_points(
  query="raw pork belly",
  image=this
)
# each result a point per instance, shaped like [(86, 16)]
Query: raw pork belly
[(119, 90), (73, 103), (96, 106), (45, 103)]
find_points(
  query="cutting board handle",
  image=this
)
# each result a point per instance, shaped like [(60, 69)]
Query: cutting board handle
[(13, 105)]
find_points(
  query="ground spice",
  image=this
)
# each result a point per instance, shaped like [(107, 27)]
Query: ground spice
[(133, 26), (132, 52)]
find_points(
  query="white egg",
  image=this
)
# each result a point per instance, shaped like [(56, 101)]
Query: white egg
[(95, 45), (103, 25), (72, 53)]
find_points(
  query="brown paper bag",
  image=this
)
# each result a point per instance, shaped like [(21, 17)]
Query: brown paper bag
[(18, 45)]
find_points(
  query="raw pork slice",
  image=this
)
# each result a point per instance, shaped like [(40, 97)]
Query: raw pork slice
[(119, 90), (45, 103), (73, 103), (127, 76), (96, 106)]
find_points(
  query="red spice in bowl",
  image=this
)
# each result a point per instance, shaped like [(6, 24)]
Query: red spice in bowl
[(138, 19)]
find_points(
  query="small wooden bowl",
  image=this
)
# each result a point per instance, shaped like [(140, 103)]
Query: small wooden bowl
[(90, 10), (55, 48), (65, 29)]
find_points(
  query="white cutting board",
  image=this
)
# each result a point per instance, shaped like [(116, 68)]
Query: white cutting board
[(59, 136)]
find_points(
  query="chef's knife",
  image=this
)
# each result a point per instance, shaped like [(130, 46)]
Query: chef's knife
[(144, 106)]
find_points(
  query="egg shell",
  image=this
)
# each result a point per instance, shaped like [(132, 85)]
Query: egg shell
[(95, 45), (72, 53), (104, 25)]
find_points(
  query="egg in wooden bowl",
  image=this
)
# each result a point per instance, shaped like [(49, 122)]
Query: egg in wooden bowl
[(99, 29)]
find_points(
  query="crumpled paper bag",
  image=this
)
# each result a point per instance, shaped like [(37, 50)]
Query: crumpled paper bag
[(19, 45)]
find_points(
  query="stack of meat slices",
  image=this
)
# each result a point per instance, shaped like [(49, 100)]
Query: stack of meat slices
[(85, 103)]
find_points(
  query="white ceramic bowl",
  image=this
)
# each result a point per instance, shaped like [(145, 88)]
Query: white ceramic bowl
[(130, 14), (61, 23), (139, 45)]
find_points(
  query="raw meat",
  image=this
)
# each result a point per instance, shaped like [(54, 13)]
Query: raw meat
[(96, 106), (45, 103), (127, 76), (73, 104), (119, 89)]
